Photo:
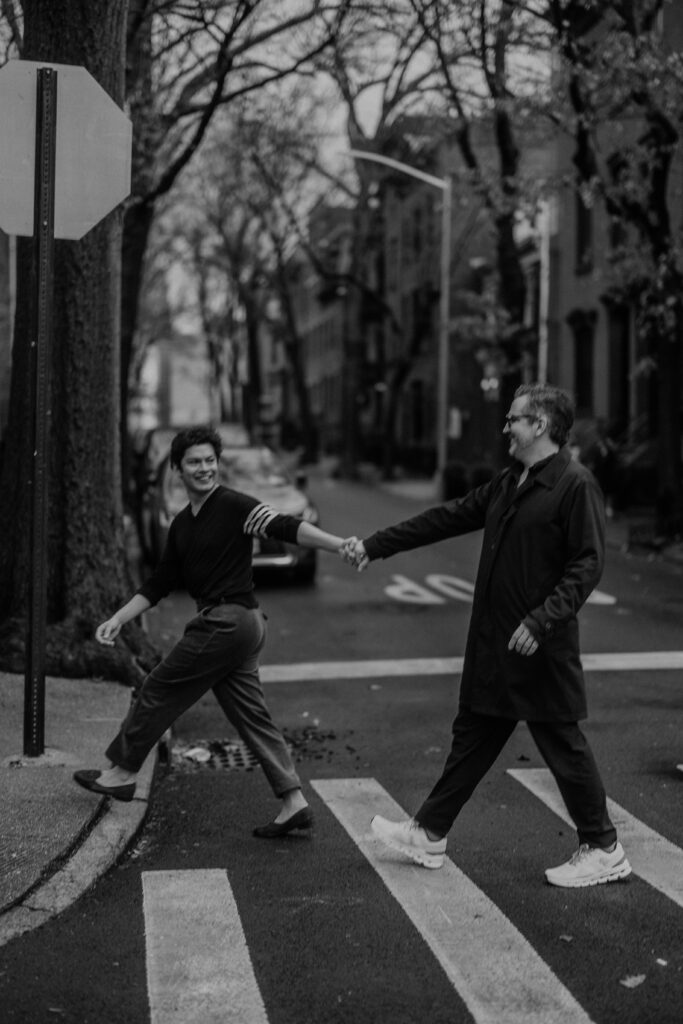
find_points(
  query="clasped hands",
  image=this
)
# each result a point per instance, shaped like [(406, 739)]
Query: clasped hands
[(353, 552)]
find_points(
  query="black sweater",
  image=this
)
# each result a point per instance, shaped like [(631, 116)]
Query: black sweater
[(209, 554)]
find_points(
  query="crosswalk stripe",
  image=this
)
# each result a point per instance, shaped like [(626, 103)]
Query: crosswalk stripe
[(198, 965), (494, 969), (621, 661), (657, 860)]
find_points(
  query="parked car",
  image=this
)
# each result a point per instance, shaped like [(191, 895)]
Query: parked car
[(256, 471)]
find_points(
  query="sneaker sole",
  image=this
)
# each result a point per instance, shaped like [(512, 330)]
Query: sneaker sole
[(617, 874), (425, 860)]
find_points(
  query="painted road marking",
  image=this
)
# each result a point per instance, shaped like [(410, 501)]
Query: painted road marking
[(599, 597), (658, 861), (402, 588), (497, 973), (635, 661), (198, 965)]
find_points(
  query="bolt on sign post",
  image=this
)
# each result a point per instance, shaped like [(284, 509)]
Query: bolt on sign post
[(67, 167)]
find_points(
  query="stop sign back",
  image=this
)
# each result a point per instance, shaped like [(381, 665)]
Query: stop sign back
[(93, 149)]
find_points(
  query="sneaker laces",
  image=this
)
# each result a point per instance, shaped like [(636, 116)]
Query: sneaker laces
[(583, 851)]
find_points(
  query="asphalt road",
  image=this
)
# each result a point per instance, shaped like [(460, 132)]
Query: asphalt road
[(329, 928)]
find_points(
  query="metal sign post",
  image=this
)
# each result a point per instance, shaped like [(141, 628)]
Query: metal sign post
[(53, 184), (41, 339)]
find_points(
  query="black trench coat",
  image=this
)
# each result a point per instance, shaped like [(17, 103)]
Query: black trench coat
[(542, 555)]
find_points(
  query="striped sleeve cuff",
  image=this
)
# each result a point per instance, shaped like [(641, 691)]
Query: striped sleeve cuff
[(258, 519)]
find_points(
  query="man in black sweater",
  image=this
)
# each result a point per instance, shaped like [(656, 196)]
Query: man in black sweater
[(208, 552)]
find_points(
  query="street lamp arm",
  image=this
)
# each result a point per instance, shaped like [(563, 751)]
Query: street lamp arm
[(430, 179)]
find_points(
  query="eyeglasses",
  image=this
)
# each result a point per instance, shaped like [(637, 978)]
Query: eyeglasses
[(522, 416)]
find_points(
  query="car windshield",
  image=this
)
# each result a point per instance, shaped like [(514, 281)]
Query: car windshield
[(251, 466)]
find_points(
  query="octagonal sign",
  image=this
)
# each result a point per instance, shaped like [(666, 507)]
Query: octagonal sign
[(93, 149)]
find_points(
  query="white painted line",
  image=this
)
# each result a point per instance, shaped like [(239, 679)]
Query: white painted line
[(658, 861), (360, 669), (494, 969), (198, 965), (632, 661), (398, 668)]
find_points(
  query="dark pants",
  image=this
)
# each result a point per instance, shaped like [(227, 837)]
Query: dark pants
[(477, 742), (218, 651)]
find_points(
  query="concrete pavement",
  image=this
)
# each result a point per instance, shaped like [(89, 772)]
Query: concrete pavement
[(57, 839)]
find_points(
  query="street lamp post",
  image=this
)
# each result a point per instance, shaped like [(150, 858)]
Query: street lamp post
[(444, 184)]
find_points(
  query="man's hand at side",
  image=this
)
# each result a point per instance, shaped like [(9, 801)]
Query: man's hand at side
[(523, 641)]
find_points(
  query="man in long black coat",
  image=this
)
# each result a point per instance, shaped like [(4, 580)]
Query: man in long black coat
[(542, 555)]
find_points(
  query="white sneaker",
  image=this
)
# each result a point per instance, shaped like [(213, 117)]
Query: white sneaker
[(590, 866), (411, 839)]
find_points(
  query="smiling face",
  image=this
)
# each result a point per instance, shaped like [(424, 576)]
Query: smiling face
[(524, 429), (199, 471)]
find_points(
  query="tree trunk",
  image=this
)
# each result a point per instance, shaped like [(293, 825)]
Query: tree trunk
[(669, 502), (137, 225), (353, 331), (87, 575), (139, 216), (293, 344), (252, 397)]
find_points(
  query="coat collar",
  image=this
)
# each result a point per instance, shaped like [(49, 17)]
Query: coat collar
[(548, 471)]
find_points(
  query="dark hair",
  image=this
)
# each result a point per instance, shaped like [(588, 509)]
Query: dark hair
[(556, 404), (194, 435)]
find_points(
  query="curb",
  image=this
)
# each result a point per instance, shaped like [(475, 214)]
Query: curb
[(100, 850)]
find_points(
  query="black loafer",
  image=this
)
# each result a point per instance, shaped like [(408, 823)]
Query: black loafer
[(87, 778), (274, 829)]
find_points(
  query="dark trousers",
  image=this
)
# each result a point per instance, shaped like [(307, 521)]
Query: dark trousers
[(477, 742), (218, 651)]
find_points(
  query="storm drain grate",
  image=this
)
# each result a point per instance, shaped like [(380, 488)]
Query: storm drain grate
[(226, 755), (307, 744)]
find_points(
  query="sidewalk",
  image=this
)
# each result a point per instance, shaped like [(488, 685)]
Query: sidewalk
[(57, 839)]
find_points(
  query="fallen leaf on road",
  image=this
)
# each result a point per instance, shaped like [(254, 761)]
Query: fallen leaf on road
[(633, 981), (199, 754)]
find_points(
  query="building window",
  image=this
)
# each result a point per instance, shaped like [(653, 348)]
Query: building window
[(617, 234), (417, 232), (417, 425), (582, 323), (584, 236), (619, 341), (393, 258)]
